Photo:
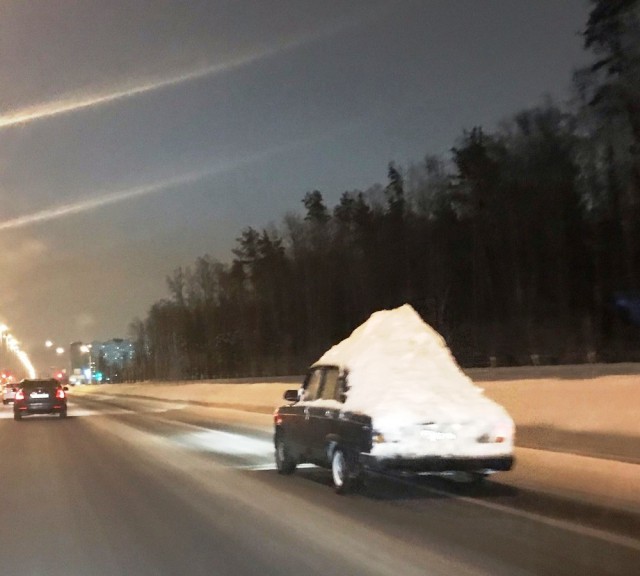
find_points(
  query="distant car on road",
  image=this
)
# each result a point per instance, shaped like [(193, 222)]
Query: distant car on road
[(40, 397), (9, 392)]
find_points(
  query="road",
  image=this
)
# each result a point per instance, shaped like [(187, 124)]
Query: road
[(126, 486)]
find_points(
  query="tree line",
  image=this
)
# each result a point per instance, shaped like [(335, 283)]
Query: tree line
[(522, 246)]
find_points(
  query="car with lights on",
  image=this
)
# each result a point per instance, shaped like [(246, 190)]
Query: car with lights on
[(9, 392), (40, 397)]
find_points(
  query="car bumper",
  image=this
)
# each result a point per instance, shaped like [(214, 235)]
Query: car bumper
[(438, 463), (40, 408)]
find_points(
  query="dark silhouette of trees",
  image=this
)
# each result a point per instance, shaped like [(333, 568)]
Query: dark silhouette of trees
[(516, 247)]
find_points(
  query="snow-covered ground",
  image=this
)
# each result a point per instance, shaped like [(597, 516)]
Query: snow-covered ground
[(603, 404)]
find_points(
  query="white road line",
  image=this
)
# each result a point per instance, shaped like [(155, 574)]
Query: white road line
[(271, 466), (626, 541), (242, 445), (225, 443)]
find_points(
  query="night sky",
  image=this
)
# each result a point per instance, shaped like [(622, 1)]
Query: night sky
[(138, 135)]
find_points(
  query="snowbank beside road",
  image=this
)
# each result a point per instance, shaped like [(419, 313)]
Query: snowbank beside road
[(563, 397), (605, 404)]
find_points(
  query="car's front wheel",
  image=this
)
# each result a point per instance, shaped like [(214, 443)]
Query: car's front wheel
[(285, 463)]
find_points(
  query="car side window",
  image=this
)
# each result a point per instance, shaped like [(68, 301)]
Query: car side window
[(342, 386), (313, 385), (330, 388)]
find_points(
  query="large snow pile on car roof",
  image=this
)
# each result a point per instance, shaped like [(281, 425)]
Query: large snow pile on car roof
[(400, 369)]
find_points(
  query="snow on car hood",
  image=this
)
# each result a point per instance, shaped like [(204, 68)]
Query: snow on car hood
[(401, 373)]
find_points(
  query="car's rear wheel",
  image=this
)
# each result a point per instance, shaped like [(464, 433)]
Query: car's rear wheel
[(17, 416), (345, 472), (478, 478), (285, 462), (468, 478), (63, 413)]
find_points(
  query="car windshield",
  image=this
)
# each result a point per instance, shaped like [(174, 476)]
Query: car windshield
[(34, 384)]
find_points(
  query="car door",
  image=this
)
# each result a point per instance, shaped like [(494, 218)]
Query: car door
[(305, 433), (325, 417)]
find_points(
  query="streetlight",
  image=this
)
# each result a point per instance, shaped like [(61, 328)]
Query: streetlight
[(9, 344), (53, 359)]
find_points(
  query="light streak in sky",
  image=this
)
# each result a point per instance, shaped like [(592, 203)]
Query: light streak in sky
[(82, 101), (73, 104), (102, 200), (108, 198)]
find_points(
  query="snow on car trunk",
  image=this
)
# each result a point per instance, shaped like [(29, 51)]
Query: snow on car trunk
[(403, 375)]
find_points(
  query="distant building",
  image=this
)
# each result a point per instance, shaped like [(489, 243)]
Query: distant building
[(80, 360), (100, 361), (110, 359)]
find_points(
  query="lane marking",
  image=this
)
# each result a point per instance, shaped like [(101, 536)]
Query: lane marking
[(212, 440), (271, 467), (221, 442), (612, 538)]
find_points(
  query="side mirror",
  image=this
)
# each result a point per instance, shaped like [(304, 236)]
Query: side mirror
[(291, 395), (65, 388)]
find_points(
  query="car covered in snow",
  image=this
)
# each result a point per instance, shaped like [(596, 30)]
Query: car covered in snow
[(391, 397)]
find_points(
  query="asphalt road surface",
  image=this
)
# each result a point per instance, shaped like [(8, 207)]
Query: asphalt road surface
[(131, 487)]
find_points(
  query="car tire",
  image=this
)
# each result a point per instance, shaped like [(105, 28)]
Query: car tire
[(17, 416), (63, 413), (5, 402), (478, 478), (345, 472), (468, 478), (285, 463)]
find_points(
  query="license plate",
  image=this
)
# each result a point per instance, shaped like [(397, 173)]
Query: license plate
[(39, 395), (436, 435)]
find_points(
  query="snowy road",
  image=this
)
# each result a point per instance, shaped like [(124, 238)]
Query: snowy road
[(126, 486)]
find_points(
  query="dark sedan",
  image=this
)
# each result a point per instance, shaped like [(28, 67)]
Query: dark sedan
[(40, 397)]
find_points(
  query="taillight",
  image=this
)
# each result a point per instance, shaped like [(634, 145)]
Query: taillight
[(60, 393), (20, 394)]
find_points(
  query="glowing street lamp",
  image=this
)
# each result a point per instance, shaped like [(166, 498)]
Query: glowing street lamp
[(9, 343)]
